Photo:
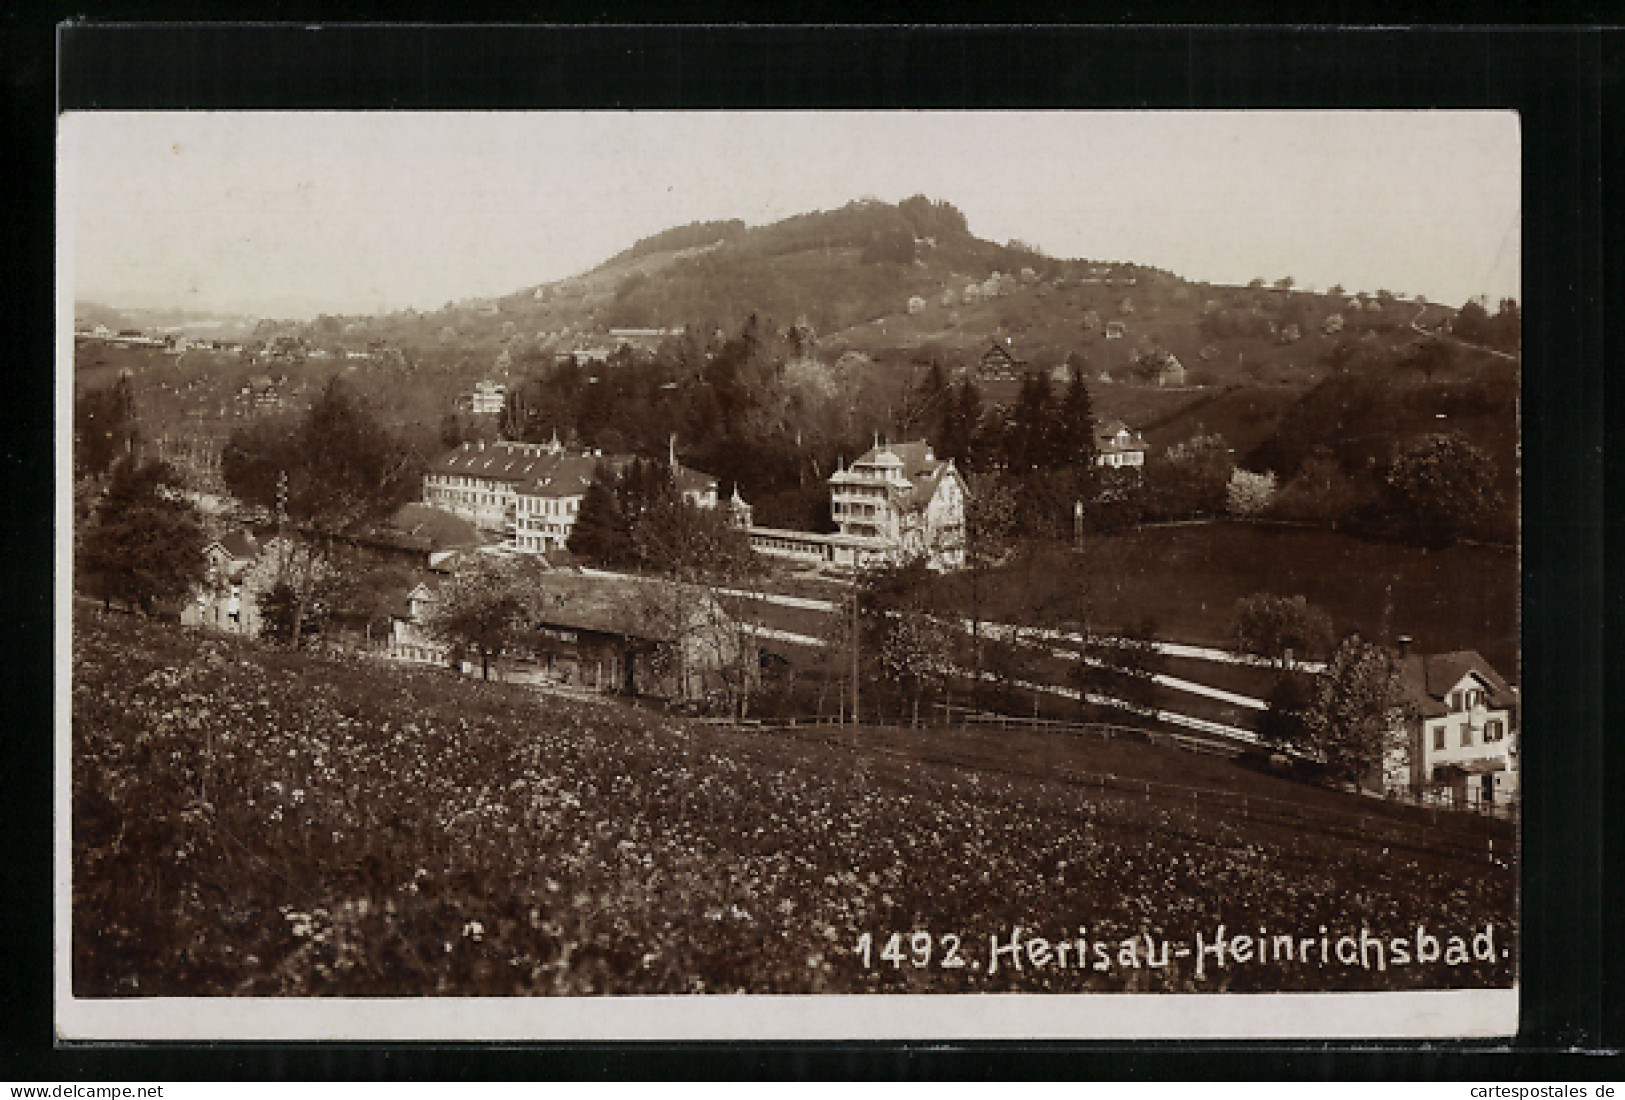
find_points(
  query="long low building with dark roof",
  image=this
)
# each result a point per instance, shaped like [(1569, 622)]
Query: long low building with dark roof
[(531, 492)]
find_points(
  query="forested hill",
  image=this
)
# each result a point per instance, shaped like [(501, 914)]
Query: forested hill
[(910, 278), (832, 269)]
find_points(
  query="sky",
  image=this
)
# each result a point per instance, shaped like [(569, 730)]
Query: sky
[(291, 214)]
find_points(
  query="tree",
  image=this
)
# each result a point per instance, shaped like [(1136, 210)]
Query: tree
[(147, 542), (486, 607), (296, 587), (1282, 724), (990, 537), (1284, 283), (909, 651), (1280, 628), (1248, 493), (351, 470), (601, 532), (1441, 487), (1030, 436), (334, 469), (1190, 478), (692, 543), (103, 428), (959, 423), (1471, 323), (1357, 714), (453, 431), (1075, 424), (1505, 329), (256, 459)]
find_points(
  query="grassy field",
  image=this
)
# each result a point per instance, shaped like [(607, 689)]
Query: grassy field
[(1189, 577), (1245, 416), (251, 821)]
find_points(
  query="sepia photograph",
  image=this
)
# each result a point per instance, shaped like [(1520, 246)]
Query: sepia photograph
[(976, 573)]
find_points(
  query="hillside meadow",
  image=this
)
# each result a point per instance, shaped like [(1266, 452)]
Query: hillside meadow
[(249, 821), (1187, 577)]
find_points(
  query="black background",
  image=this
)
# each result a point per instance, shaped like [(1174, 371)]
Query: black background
[(1562, 80)]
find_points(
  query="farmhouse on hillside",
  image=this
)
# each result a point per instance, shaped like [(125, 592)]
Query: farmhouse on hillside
[(1116, 444), (998, 364), (1460, 743)]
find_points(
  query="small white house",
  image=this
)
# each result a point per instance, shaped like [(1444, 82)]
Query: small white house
[(1116, 445), (1459, 745)]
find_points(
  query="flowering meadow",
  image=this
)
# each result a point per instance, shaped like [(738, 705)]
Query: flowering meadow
[(252, 821)]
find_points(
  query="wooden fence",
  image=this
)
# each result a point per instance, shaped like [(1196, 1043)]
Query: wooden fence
[(1393, 824)]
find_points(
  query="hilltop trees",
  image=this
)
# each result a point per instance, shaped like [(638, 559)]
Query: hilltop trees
[(1503, 331)]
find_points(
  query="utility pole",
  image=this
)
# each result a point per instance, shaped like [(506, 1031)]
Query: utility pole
[(854, 636), (281, 502)]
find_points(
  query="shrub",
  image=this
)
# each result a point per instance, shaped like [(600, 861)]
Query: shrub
[(1250, 493)]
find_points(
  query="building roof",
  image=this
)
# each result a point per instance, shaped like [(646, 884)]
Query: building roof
[(546, 470), (566, 475), (496, 461), (1106, 437), (692, 481), (440, 528), (241, 545), (1429, 678), (571, 600), (922, 471)]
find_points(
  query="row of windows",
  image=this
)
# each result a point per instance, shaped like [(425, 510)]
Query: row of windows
[(1494, 731), (548, 506), (1466, 700), (463, 496), (790, 546)]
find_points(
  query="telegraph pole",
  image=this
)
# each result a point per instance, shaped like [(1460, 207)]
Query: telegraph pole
[(854, 636)]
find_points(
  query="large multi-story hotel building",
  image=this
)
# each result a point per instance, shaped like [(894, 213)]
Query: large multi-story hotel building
[(895, 503), (531, 492)]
